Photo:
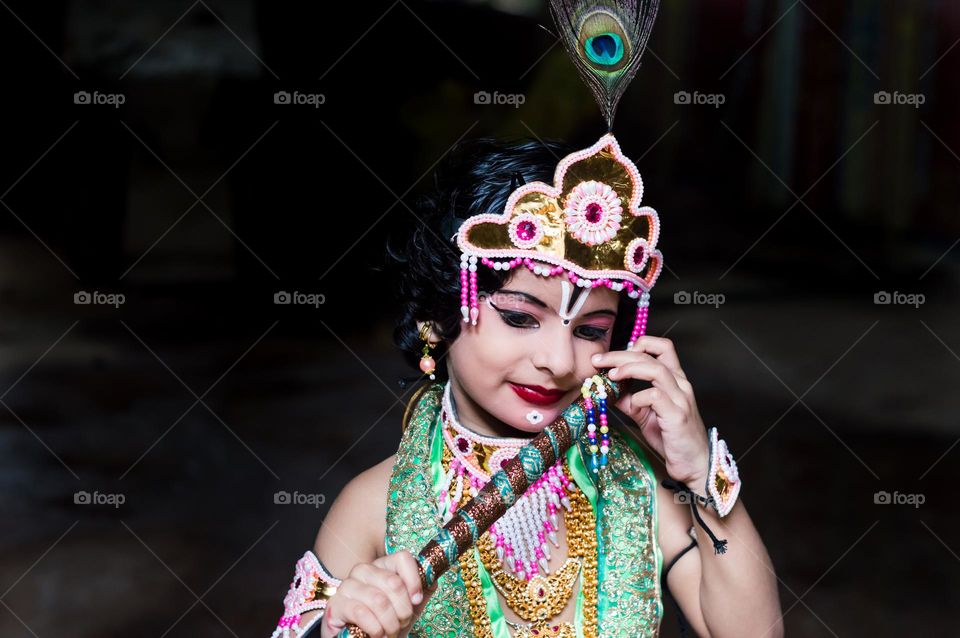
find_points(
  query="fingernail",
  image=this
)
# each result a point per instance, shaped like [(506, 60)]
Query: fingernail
[(417, 598), (612, 372), (597, 358)]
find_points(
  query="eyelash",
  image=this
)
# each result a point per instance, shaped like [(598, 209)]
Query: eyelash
[(511, 319)]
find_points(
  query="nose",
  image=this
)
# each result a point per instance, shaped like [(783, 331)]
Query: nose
[(553, 351)]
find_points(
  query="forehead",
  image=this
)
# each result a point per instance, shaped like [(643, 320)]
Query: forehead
[(550, 291)]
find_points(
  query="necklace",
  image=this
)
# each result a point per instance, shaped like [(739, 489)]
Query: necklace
[(539, 598), (515, 550), (521, 535)]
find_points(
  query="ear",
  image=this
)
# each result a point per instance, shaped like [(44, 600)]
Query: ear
[(431, 335)]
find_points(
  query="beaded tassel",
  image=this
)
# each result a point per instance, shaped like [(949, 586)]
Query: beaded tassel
[(640, 323), (474, 309), (465, 287), (597, 462)]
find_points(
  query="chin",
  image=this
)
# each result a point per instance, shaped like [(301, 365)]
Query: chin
[(518, 410)]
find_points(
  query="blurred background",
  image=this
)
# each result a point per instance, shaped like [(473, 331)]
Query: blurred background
[(173, 172)]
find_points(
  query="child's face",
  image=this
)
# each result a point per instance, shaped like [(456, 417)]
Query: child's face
[(520, 342)]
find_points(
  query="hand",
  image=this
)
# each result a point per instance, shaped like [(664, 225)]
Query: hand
[(383, 598), (667, 413)]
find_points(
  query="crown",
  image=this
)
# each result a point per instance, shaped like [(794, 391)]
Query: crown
[(588, 226)]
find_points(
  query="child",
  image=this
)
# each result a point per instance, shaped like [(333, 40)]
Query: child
[(529, 275)]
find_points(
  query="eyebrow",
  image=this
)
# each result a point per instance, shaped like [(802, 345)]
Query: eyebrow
[(538, 302)]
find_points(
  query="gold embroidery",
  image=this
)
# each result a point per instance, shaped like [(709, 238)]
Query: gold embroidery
[(631, 581)]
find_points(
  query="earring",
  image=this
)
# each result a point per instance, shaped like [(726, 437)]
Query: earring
[(427, 364)]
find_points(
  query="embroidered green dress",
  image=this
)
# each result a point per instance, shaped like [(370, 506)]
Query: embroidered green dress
[(629, 561)]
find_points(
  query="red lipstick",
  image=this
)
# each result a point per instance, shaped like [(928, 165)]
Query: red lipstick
[(536, 394)]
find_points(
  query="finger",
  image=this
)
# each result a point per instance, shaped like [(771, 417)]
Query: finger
[(340, 607), (656, 399), (353, 611), (616, 358), (638, 405), (378, 602), (405, 565), (663, 349), (391, 588), (655, 372)]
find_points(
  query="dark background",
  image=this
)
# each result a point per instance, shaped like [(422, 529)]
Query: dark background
[(794, 203)]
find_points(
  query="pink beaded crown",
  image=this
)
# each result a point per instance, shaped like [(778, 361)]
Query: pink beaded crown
[(589, 226)]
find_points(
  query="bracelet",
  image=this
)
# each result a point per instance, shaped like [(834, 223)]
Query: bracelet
[(723, 479), (311, 588)]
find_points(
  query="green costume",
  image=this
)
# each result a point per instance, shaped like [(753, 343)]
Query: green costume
[(623, 498)]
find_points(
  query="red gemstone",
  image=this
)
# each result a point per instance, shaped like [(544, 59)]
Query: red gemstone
[(526, 230), (593, 213), (638, 254), (463, 445), (541, 593)]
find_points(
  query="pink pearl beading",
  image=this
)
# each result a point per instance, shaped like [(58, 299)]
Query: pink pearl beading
[(640, 322), (301, 597)]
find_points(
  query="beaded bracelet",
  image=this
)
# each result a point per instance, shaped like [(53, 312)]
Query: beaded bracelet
[(311, 588)]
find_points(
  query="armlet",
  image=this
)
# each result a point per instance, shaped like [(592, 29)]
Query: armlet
[(310, 589)]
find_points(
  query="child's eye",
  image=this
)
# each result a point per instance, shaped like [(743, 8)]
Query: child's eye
[(517, 319), (591, 333)]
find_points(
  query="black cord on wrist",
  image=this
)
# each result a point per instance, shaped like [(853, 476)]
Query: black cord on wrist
[(719, 545)]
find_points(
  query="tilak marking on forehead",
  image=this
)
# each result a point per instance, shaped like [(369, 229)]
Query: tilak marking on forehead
[(568, 314)]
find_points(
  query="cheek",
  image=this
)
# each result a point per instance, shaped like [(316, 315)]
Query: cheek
[(483, 356), (584, 353)]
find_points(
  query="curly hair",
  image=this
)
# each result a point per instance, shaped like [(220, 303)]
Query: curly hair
[(476, 177)]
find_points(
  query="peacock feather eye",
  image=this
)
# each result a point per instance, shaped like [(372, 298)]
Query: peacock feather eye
[(605, 49), (605, 39), (603, 42)]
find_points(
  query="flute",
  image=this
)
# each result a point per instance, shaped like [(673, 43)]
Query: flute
[(473, 519)]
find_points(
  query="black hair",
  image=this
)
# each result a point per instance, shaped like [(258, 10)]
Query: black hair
[(476, 177)]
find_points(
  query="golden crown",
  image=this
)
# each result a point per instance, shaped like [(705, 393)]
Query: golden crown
[(589, 225)]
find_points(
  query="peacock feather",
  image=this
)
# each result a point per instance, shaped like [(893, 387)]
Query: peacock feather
[(606, 40)]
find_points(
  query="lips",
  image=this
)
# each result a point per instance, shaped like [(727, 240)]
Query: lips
[(537, 395)]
